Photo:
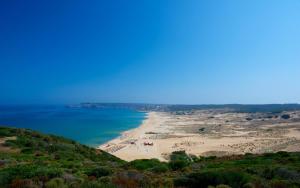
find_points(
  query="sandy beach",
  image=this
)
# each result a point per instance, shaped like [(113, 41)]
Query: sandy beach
[(206, 133)]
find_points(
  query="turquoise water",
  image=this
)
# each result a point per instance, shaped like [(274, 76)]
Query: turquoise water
[(87, 126)]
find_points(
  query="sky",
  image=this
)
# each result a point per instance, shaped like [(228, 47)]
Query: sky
[(150, 51)]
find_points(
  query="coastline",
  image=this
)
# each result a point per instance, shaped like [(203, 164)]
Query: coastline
[(130, 144), (161, 133)]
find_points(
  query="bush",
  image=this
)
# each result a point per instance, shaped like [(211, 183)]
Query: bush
[(178, 164), (24, 183), (161, 168), (131, 179), (204, 179), (99, 172), (267, 173), (283, 154), (144, 164), (179, 155), (4, 132), (222, 186), (94, 184), (179, 160), (29, 171), (56, 183), (279, 184), (287, 174)]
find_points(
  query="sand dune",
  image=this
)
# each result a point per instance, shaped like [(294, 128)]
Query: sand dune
[(205, 133)]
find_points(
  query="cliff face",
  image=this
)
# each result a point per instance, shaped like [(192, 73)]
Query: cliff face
[(32, 159)]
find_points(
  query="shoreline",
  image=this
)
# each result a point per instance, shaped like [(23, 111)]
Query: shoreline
[(124, 133), (161, 133), (130, 144)]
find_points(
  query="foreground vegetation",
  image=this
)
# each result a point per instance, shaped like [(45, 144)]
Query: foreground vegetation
[(31, 159)]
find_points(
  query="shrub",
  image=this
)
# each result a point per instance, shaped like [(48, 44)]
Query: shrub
[(24, 183), (131, 179), (179, 155), (283, 154), (279, 184), (223, 186), (56, 183), (204, 179), (144, 164), (161, 168), (4, 132), (267, 173), (287, 174), (29, 171), (94, 184), (179, 160), (99, 172), (178, 164)]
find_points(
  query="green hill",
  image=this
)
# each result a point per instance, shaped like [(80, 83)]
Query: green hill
[(31, 159)]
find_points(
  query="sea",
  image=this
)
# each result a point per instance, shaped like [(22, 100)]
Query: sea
[(89, 126)]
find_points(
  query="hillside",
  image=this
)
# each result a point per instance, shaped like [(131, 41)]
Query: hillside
[(31, 159)]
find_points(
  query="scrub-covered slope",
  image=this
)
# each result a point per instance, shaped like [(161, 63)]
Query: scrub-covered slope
[(32, 159)]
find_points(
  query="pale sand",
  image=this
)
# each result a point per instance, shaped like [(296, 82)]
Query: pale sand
[(171, 132)]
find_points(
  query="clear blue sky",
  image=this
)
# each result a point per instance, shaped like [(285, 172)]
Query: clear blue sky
[(154, 51)]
